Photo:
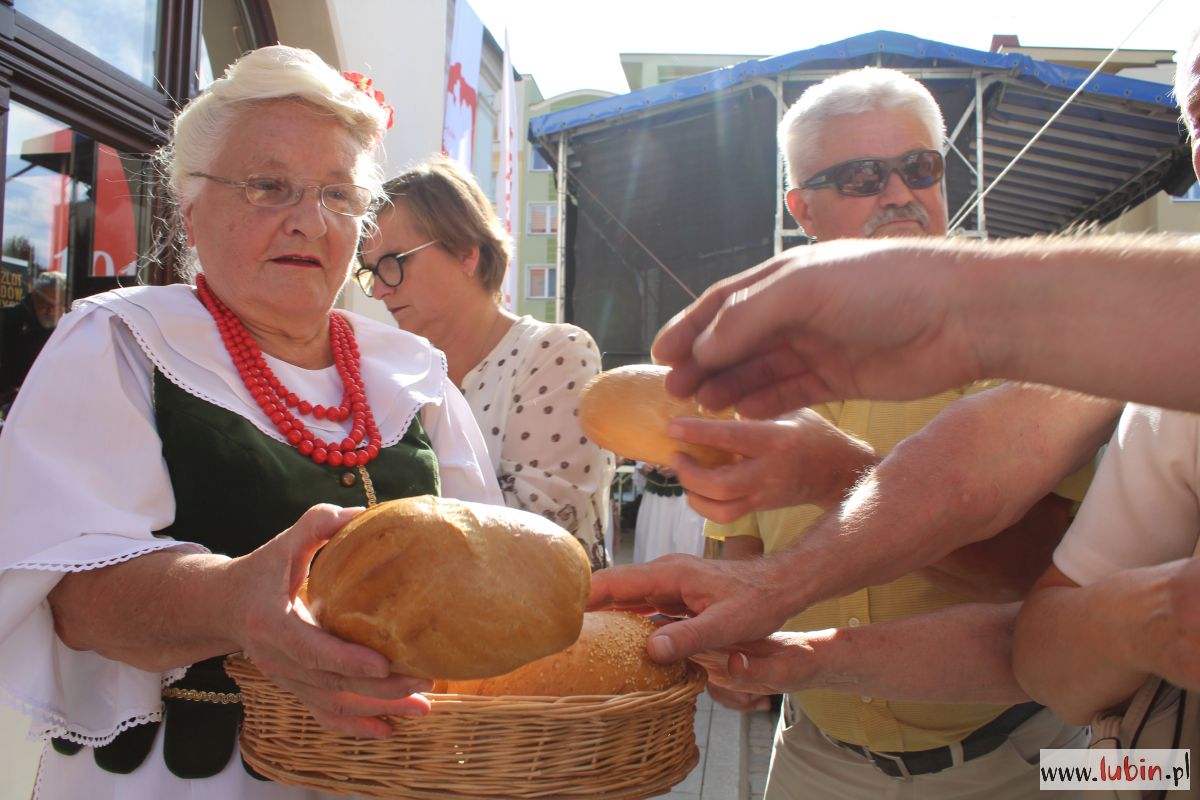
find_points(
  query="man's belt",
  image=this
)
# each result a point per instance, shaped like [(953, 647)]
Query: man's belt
[(978, 743)]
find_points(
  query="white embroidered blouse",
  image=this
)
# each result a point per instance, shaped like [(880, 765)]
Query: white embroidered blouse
[(85, 485)]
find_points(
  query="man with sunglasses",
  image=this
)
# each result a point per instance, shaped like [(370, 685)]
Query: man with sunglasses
[(899, 688)]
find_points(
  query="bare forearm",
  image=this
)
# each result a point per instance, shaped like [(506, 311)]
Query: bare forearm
[(1065, 632), (155, 612), (1111, 316), (972, 472), (843, 460), (958, 654), (1004, 567)]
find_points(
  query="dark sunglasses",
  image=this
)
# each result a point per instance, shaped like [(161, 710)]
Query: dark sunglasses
[(863, 177), (389, 269)]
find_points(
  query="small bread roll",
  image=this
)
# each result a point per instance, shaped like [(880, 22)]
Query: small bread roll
[(608, 658), (627, 409), (451, 589)]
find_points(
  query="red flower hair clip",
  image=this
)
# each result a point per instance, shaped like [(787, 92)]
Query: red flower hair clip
[(364, 85)]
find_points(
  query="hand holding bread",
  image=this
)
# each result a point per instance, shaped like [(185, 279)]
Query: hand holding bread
[(451, 589), (627, 410)]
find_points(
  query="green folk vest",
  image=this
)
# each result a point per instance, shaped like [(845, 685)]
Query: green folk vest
[(235, 489)]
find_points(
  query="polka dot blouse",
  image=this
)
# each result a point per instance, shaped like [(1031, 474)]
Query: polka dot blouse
[(525, 396)]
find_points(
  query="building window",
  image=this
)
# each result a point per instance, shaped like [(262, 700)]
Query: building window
[(89, 89), (77, 214), (541, 283), (225, 33), (123, 38), (1192, 195), (537, 163), (543, 219), (37, 199), (72, 204)]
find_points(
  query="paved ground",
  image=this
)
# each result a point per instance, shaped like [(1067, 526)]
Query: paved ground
[(735, 750)]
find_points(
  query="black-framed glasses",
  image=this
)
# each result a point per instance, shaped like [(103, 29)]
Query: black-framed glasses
[(863, 177), (389, 269), (269, 191)]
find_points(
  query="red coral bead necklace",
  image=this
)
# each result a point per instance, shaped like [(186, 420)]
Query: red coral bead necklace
[(277, 402)]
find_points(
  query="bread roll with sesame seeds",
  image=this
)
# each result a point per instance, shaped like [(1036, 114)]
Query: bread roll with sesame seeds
[(451, 589), (609, 657), (627, 410)]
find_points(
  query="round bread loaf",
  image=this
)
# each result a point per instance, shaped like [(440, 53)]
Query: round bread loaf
[(609, 657), (627, 409), (451, 589)]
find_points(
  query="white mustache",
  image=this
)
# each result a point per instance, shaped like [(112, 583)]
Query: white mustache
[(909, 212)]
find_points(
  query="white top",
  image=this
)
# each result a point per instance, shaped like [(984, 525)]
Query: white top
[(525, 395), (666, 524), (1142, 507), (85, 484)]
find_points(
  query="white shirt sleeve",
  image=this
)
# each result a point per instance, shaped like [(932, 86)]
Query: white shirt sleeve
[(461, 453), (85, 486), (1142, 507)]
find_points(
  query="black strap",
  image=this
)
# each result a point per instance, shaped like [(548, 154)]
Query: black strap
[(988, 737), (979, 742), (662, 485)]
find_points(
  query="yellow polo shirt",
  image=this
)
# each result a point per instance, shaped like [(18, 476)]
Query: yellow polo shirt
[(882, 725)]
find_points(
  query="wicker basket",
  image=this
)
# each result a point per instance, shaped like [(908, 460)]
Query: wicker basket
[(605, 746)]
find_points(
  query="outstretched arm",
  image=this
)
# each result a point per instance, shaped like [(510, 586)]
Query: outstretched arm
[(972, 472), (957, 654), (900, 319)]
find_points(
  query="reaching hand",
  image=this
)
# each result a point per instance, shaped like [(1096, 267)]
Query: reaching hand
[(787, 462), (777, 664), (346, 686), (738, 701), (726, 602), (839, 320)]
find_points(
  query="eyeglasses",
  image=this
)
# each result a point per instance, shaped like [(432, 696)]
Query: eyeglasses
[(347, 199), (389, 269), (863, 177)]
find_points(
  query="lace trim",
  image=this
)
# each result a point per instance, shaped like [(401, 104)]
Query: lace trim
[(174, 378), (37, 781), (63, 732), (439, 398), (257, 423), (53, 725), (73, 566)]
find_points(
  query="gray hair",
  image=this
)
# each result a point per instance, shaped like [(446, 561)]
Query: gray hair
[(277, 72), (1186, 58), (50, 282), (855, 92)]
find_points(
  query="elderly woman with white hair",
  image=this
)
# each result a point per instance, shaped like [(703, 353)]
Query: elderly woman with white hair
[(229, 427)]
